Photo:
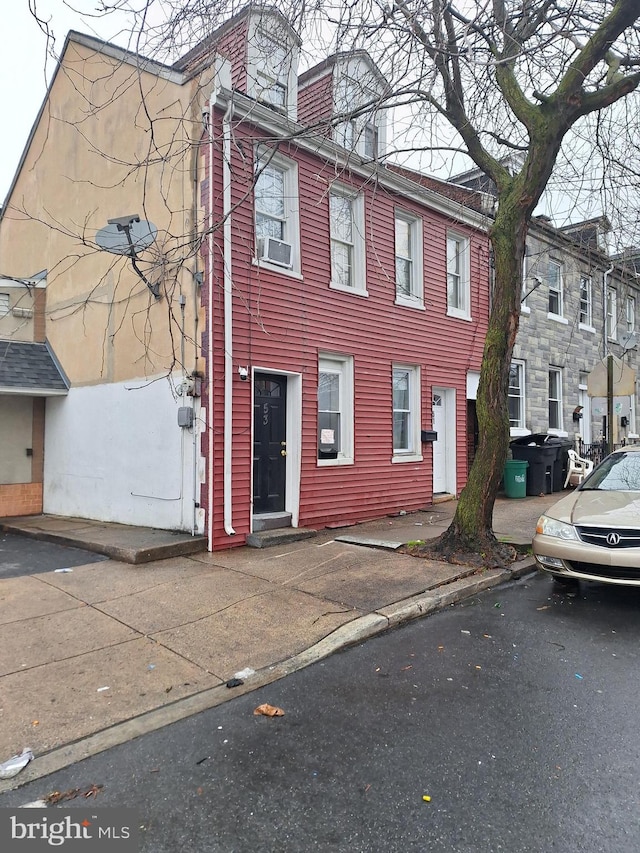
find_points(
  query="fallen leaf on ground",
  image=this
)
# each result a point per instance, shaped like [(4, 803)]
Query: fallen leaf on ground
[(268, 711)]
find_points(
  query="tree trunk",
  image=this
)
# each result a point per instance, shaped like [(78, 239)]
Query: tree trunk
[(471, 531)]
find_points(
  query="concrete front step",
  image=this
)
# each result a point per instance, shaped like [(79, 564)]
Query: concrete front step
[(271, 521), (281, 536)]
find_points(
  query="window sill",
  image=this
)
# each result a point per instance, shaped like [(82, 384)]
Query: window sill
[(584, 328), (265, 265), (407, 457), (559, 432), (518, 432), (459, 315), (557, 318), (354, 291), (414, 302), (332, 463)]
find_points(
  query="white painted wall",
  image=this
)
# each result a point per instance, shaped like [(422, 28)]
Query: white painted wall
[(16, 413), (115, 452)]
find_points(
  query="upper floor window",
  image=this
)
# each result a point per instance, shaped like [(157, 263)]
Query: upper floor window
[(458, 282), (631, 313), (346, 219), (586, 303), (408, 248), (555, 288), (276, 212), (524, 293), (516, 395), (362, 132), (335, 409), (406, 413), (555, 398), (272, 57), (612, 310), (4, 304)]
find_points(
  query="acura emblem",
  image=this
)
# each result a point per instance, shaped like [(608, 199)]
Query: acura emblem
[(613, 538)]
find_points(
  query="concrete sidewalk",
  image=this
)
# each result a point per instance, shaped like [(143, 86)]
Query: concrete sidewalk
[(108, 651)]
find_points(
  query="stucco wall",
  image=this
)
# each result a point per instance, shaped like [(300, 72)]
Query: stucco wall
[(115, 452)]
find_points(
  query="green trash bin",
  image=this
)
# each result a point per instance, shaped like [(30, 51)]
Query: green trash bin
[(515, 478)]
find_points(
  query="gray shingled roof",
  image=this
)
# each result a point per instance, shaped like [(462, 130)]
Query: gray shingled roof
[(27, 366)]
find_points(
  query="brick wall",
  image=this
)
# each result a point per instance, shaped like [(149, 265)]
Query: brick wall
[(20, 499)]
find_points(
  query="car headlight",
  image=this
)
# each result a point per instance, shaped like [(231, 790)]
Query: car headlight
[(553, 527)]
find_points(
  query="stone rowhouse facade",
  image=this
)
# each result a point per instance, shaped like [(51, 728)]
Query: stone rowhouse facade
[(564, 330)]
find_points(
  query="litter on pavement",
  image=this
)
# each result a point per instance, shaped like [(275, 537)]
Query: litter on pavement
[(12, 766), (245, 673), (268, 711)]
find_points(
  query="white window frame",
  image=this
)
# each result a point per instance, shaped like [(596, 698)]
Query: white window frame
[(358, 284), (557, 288), (612, 313), (263, 74), (341, 366), (5, 304), (524, 307), (411, 453), (415, 297), (557, 399), (266, 158), (462, 273), (362, 134), (517, 428), (586, 284), (630, 313)]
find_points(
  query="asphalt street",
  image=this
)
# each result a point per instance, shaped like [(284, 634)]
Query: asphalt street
[(22, 555), (515, 712)]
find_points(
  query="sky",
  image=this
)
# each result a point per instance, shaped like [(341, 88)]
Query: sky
[(25, 68)]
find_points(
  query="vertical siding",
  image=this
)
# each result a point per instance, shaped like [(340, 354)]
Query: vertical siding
[(282, 322)]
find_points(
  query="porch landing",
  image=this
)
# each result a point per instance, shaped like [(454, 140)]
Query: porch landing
[(122, 542)]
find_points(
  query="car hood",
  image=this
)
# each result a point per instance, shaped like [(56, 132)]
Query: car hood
[(606, 509)]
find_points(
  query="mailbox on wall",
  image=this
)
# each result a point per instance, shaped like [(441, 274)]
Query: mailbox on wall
[(428, 435)]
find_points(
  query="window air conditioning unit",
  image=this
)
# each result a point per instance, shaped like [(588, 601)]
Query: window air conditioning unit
[(274, 251)]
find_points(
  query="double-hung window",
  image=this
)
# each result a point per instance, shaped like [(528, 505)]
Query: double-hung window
[(408, 248), (406, 413), (555, 398), (555, 288), (458, 282), (631, 314), (612, 310), (516, 395), (276, 212), (346, 218), (4, 304), (586, 302), (335, 409)]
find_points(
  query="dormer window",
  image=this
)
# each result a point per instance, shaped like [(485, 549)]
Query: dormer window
[(272, 58), (357, 91), (271, 83)]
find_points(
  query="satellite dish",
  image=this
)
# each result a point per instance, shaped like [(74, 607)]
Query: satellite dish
[(628, 340), (126, 235)]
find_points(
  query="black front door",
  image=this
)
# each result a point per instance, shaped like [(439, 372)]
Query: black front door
[(269, 442)]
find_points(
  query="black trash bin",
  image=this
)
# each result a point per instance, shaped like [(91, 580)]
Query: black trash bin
[(562, 447), (541, 458)]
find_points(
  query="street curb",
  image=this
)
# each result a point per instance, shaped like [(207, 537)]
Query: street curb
[(360, 629)]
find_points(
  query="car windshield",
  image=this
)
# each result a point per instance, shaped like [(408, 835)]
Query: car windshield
[(618, 472)]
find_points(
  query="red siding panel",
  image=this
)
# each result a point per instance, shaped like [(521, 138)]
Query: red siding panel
[(282, 322)]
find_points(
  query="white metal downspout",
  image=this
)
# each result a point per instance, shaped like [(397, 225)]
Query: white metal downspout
[(228, 321), (209, 324)]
